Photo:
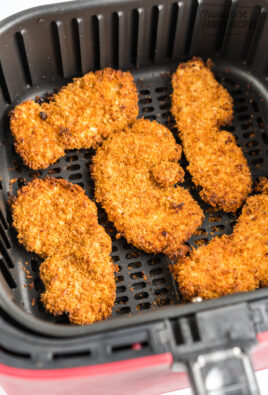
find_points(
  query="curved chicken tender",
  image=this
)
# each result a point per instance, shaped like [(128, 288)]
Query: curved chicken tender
[(234, 263), (81, 115), (55, 219), (200, 106), (134, 173)]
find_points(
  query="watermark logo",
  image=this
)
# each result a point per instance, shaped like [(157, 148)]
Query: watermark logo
[(213, 19)]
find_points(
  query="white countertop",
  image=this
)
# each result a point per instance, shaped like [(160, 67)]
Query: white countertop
[(10, 7)]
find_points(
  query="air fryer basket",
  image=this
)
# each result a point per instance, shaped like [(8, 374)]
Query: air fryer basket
[(45, 48)]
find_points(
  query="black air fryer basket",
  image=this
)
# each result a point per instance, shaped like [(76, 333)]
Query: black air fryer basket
[(43, 49)]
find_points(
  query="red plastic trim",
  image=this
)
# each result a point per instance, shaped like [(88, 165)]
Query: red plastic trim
[(103, 369), (262, 337)]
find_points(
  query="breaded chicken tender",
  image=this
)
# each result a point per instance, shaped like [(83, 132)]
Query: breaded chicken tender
[(81, 115), (135, 172), (52, 213), (200, 106), (234, 263), (56, 220)]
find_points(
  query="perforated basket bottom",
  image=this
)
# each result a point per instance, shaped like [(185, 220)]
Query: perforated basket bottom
[(144, 281)]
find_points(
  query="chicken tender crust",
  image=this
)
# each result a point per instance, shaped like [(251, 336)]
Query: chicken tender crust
[(81, 115), (56, 220), (234, 263), (200, 106), (135, 172)]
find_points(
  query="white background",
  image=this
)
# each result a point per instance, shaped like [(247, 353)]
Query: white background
[(9, 7)]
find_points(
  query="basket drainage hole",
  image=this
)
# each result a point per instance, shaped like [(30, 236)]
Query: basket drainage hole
[(154, 261), (215, 218), (137, 275), (119, 279), (71, 158), (115, 258), (163, 98), (217, 228), (241, 109), (161, 291), (265, 138), (159, 281), (76, 176), (38, 285), (255, 106), (229, 128), (121, 289), (254, 152), (73, 167), (133, 254), (41, 307), (257, 161), (146, 101), (246, 125), (21, 182), (140, 285), (163, 302), (121, 300), (141, 295), (252, 143), (35, 174), (156, 272), (167, 115), (245, 117), (55, 170), (147, 109), (161, 89), (143, 306), (248, 135), (123, 310), (144, 92), (239, 100), (150, 117), (165, 106), (260, 122), (134, 265), (35, 265)]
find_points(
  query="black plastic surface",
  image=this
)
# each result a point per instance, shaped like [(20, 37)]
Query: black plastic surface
[(42, 49)]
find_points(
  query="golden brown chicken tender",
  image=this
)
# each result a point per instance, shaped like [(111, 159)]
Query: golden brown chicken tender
[(81, 115), (51, 213), (55, 219), (234, 263), (200, 106), (135, 172)]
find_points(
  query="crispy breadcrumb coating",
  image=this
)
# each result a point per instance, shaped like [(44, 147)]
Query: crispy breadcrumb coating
[(135, 172), (55, 219), (81, 115), (200, 106), (234, 263)]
